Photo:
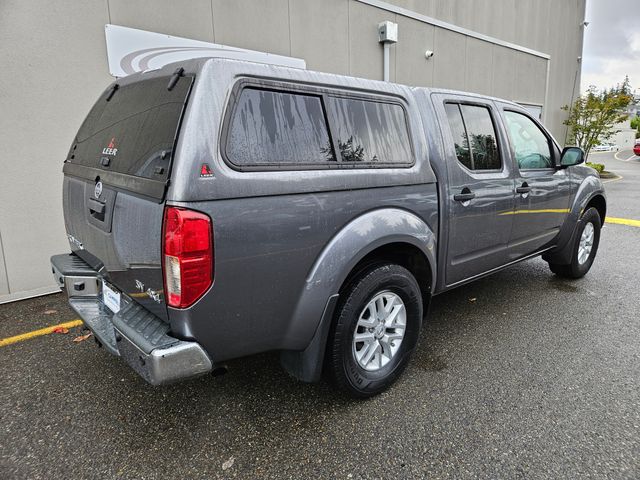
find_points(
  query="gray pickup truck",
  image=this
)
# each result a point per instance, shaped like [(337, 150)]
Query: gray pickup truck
[(217, 209)]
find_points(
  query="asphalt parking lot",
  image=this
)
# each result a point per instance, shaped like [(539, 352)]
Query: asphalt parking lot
[(519, 375)]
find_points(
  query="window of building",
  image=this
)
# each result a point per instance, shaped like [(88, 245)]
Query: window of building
[(270, 128), (370, 131), (474, 136), (530, 144)]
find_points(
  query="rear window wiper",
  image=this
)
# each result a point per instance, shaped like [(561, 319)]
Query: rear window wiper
[(179, 72), (112, 91)]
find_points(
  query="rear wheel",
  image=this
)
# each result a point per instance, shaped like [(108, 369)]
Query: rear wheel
[(584, 248), (375, 330)]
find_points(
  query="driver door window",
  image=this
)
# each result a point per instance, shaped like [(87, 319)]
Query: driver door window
[(530, 145), (542, 191)]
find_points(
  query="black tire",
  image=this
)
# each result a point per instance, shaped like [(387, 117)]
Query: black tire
[(375, 280), (575, 269)]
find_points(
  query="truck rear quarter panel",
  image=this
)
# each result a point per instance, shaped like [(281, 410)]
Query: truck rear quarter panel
[(266, 249)]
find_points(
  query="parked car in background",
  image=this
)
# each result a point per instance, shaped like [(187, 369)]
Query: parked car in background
[(224, 208), (605, 147), (636, 149)]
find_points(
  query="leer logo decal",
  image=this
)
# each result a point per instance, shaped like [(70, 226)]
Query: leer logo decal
[(205, 171), (111, 148)]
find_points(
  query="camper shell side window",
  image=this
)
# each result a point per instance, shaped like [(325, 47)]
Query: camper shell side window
[(287, 126)]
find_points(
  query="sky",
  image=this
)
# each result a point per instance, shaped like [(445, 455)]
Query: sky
[(611, 44)]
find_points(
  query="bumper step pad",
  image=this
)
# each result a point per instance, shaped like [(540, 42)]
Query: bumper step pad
[(98, 318), (140, 324)]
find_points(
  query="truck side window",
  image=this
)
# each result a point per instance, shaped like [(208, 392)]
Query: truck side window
[(530, 145), (370, 131), (474, 136), (270, 127), (461, 143)]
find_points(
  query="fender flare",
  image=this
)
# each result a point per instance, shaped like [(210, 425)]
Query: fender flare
[(590, 188), (315, 307)]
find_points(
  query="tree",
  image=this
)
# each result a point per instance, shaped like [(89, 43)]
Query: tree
[(635, 124), (349, 151), (593, 116)]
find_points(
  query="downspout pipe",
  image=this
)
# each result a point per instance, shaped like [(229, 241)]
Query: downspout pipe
[(385, 56)]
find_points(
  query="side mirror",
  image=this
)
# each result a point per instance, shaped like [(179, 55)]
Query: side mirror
[(571, 156)]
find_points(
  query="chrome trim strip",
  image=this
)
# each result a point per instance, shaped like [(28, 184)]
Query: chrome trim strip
[(494, 270)]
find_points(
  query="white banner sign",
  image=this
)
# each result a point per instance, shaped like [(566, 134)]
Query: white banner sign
[(130, 50)]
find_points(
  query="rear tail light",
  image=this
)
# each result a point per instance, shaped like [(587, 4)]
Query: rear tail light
[(187, 245)]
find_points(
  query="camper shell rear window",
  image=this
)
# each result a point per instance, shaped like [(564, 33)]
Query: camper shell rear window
[(132, 130)]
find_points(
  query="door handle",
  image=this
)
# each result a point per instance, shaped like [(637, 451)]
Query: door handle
[(96, 207), (465, 195), (524, 188)]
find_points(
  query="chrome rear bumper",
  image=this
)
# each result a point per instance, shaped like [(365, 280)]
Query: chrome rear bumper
[(140, 338)]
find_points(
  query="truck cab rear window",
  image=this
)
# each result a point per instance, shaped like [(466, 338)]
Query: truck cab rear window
[(134, 132), (271, 128)]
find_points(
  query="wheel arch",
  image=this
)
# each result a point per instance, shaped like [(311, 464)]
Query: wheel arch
[(598, 202), (404, 254), (590, 194), (388, 234)]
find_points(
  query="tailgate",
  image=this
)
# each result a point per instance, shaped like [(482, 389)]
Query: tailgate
[(116, 175)]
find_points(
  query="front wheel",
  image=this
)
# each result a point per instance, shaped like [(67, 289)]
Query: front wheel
[(375, 330), (584, 248)]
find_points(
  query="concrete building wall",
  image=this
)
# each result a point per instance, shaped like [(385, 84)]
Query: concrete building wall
[(53, 54), (4, 280), (54, 60)]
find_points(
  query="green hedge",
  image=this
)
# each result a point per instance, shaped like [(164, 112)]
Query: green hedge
[(597, 166)]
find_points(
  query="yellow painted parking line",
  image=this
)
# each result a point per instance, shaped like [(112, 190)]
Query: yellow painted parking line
[(38, 333), (623, 221)]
